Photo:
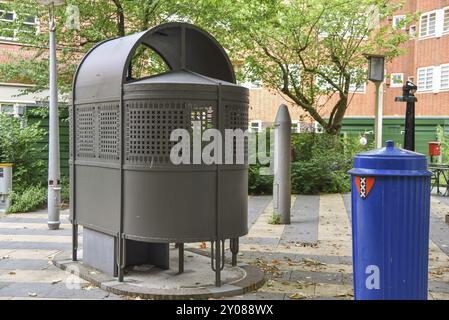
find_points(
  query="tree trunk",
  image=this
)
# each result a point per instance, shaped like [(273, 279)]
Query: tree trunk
[(120, 18)]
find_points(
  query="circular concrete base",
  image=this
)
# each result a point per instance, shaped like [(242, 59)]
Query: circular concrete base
[(149, 282)]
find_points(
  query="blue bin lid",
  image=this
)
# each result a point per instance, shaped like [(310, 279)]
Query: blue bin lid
[(390, 161)]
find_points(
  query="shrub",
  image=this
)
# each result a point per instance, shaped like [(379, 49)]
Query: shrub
[(20, 146), (257, 183), (320, 166), (31, 198)]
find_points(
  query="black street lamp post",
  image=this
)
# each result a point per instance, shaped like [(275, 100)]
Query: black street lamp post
[(408, 96)]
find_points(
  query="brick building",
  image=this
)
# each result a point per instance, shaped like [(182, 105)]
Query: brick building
[(426, 63)]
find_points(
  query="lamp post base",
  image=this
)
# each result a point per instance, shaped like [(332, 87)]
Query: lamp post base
[(53, 225)]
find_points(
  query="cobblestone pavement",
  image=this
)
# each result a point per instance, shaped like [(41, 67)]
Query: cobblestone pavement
[(309, 259)]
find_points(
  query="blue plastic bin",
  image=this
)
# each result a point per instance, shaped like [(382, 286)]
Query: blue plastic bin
[(390, 224)]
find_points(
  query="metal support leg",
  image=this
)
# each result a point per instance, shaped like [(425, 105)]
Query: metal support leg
[(74, 242), (217, 259), (121, 258), (234, 246), (181, 257), (217, 264)]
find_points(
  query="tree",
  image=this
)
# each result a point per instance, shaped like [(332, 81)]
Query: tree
[(98, 20), (310, 50)]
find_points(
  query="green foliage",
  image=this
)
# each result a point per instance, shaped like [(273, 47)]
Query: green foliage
[(28, 199), (257, 183), (443, 137), (19, 145), (274, 219), (320, 166), (65, 191), (310, 50)]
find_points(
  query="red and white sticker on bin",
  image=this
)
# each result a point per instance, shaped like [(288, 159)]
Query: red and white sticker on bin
[(364, 185)]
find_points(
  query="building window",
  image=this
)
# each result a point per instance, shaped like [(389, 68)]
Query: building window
[(357, 88), (7, 108), (10, 30), (425, 79), (318, 128), (296, 127), (412, 31), (306, 127), (399, 22), (444, 83), (427, 24), (255, 126), (446, 20), (6, 23), (397, 79), (29, 25)]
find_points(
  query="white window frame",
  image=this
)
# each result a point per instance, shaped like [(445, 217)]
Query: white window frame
[(413, 33), (17, 108), (318, 127), (10, 21), (425, 88), (397, 19), (298, 126), (396, 85), (361, 88), (445, 73), (427, 35), (445, 20), (36, 24), (259, 126)]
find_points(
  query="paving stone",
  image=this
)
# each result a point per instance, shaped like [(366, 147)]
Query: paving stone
[(23, 264), (42, 232), (438, 286), (347, 202), (304, 220), (256, 205), (317, 277), (439, 233), (48, 290), (259, 296), (35, 245)]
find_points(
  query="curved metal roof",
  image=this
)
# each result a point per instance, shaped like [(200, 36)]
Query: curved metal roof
[(103, 70)]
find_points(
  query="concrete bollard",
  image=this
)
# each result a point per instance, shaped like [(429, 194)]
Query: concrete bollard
[(282, 164)]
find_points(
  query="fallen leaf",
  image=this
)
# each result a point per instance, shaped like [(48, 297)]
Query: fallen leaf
[(297, 295), (56, 281), (32, 294), (203, 245), (88, 287), (12, 273)]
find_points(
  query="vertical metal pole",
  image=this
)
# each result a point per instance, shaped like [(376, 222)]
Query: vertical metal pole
[(378, 115), (409, 136), (181, 257), (282, 164), (218, 263), (234, 247), (54, 187), (74, 242)]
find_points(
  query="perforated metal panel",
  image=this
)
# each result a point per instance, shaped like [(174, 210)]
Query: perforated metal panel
[(237, 118), (98, 131), (85, 131), (109, 138), (149, 125)]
